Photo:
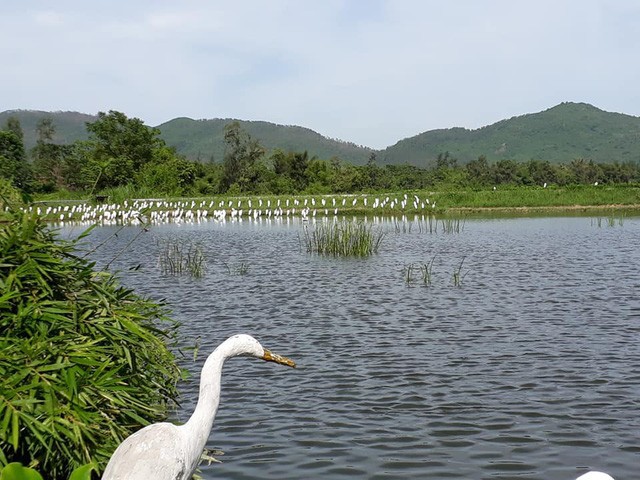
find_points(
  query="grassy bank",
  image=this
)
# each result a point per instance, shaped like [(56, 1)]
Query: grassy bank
[(538, 197)]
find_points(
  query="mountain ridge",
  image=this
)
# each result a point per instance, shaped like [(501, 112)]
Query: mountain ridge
[(558, 134)]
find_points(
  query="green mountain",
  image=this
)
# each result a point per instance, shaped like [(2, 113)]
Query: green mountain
[(204, 139), (70, 126), (559, 134)]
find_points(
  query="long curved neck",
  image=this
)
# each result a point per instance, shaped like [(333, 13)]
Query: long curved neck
[(200, 423)]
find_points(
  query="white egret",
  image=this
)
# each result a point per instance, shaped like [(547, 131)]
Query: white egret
[(164, 451)]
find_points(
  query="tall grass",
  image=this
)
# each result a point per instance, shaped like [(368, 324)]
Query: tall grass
[(181, 257), (348, 239)]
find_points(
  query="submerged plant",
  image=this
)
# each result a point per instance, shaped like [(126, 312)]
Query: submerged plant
[(356, 239), (610, 221), (426, 269), (452, 225), (181, 257), (410, 272), (457, 274), (241, 269)]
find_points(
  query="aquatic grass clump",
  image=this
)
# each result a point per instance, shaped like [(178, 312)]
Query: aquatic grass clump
[(180, 257), (426, 272), (347, 239)]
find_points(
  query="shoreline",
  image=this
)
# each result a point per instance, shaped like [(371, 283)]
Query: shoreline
[(547, 208)]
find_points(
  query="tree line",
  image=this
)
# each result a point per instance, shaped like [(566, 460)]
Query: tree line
[(122, 151)]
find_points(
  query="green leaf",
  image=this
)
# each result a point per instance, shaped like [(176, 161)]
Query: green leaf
[(82, 473), (15, 471), (15, 431)]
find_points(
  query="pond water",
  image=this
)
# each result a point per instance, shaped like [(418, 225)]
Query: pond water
[(530, 369)]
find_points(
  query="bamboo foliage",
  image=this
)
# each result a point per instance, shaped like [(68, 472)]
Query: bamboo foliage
[(85, 361)]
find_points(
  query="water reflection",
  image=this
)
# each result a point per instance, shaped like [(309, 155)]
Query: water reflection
[(529, 370)]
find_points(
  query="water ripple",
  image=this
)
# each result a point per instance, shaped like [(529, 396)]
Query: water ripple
[(529, 370)]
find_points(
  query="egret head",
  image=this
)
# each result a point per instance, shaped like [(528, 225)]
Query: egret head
[(247, 345)]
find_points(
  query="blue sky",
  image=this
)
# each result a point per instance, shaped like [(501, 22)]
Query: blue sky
[(367, 71)]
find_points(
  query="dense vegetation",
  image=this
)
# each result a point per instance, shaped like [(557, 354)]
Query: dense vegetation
[(124, 153), (84, 363)]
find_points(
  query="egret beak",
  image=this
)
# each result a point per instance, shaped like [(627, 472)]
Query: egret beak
[(274, 357)]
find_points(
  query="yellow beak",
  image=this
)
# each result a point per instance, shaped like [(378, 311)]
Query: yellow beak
[(274, 357)]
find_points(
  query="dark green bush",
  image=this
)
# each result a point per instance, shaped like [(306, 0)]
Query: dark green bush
[(83, 361)]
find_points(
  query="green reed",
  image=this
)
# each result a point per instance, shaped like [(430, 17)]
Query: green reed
[(241, 269), (348, 239), (452, 225), (181, 257), (427, 270), (408, 273), (610, 221), (457, 274), (424, 270)]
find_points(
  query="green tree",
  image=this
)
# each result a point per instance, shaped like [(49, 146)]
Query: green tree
[(46, 129), (50, 166), (241, 157), (372, 173), (13, 161), (48, 158), (478, 171), (120, 146), (168, 174), (13, 125), (584, 171), (318, 175), (505, 171)]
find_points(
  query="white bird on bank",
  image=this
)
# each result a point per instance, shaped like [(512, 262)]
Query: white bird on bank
[(164, 451)]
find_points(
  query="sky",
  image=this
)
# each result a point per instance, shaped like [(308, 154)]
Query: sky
[(371, 72)]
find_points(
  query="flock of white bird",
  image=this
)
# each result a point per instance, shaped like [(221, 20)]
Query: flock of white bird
[(163, 211)]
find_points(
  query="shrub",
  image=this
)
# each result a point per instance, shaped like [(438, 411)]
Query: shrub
[(85, 361)]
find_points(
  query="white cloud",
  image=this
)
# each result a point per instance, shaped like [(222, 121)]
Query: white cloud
[(48, 19)]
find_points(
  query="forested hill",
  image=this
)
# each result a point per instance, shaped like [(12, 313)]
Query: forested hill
[(70, 126), (559, 134), (204, 139)]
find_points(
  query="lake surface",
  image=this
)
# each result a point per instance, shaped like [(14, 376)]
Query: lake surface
[(528, 370)]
